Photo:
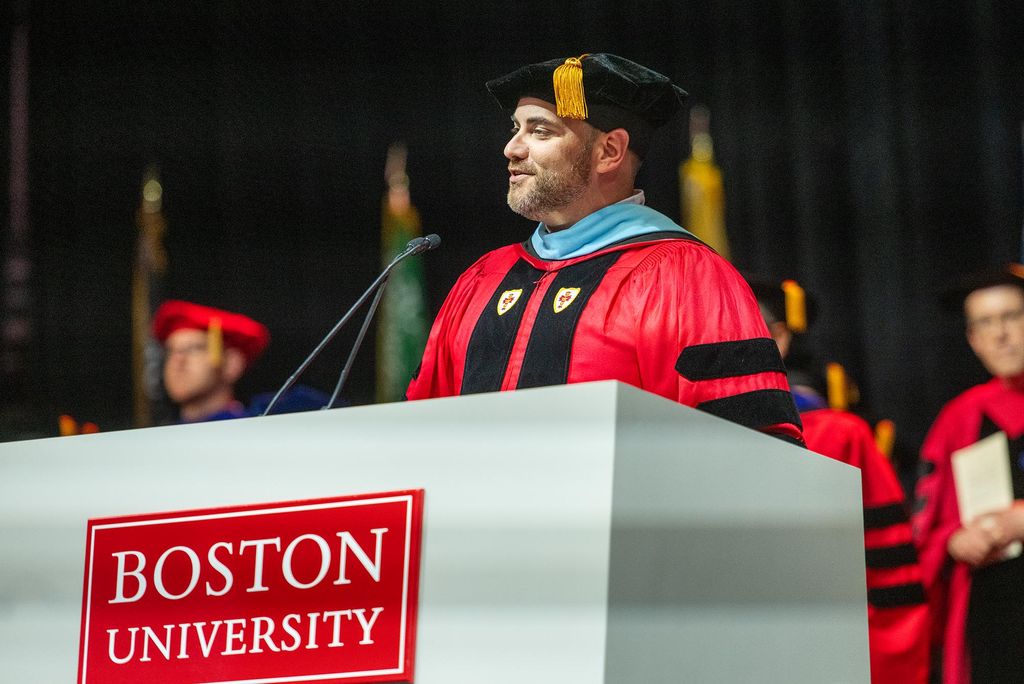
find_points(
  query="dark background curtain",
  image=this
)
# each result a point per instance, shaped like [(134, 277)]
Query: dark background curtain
[(871, 150)]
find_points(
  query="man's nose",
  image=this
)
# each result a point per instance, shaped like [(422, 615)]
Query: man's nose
[(515, 148)]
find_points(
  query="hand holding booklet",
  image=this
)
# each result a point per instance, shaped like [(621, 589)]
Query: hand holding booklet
[(981, 472)]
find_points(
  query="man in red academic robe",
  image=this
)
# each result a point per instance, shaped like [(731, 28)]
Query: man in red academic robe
[(898, 620), (977, 595), (606, 288)]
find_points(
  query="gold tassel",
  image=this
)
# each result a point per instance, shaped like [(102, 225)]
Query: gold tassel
[(885, 437), (796, 306), (570, 100), (215, 342), (835, 377)]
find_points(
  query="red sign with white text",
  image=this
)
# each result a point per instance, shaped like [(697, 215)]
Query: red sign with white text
[(302, 591)]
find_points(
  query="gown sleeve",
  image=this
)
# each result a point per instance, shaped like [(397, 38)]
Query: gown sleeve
[(701, 340)]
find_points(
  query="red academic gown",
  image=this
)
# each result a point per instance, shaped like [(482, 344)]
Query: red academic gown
[(665, 314), (898, 626), (959, 424)]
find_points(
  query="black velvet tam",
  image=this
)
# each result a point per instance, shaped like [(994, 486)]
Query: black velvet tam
[(772, 298), (952, 297), (619, 94)]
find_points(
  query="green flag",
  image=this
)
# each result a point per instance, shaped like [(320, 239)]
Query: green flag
[(402, 325)]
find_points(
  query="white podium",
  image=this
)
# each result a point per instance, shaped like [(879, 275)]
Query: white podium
[(587, 533)]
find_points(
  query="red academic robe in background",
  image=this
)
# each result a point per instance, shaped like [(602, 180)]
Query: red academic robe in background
[(898, 620), (959, 424)]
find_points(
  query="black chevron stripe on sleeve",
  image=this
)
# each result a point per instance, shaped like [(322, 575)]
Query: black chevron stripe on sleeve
[(756, 409), (891, 556), (719, 360), (899, 595), (877, 517)]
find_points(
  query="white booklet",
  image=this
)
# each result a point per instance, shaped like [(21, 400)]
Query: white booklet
[(983, 481)]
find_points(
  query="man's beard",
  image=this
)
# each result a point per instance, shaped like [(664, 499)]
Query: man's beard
[(552, 189)]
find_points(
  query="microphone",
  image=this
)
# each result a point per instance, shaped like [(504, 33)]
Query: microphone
[(424, 244), (414, 246)]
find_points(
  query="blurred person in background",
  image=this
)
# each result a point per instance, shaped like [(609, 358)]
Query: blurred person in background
[(206, 352), (898, 619), (976, 592)]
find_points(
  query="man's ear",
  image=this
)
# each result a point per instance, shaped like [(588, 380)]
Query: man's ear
[(611, 150), (783, 337), (233, 365)]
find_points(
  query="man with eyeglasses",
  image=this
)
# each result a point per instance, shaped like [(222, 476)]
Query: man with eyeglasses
[(976, 593), (206, 351)]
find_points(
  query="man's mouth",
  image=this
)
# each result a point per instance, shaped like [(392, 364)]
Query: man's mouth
[(516, 175)]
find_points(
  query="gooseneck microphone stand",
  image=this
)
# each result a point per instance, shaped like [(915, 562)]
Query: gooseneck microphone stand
[(415, 246)]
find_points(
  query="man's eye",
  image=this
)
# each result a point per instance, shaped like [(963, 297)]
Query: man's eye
[(543, 132), (515, 130)]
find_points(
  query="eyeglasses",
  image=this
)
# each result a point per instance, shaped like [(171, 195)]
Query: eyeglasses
[(990, 324), (185, 349)]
